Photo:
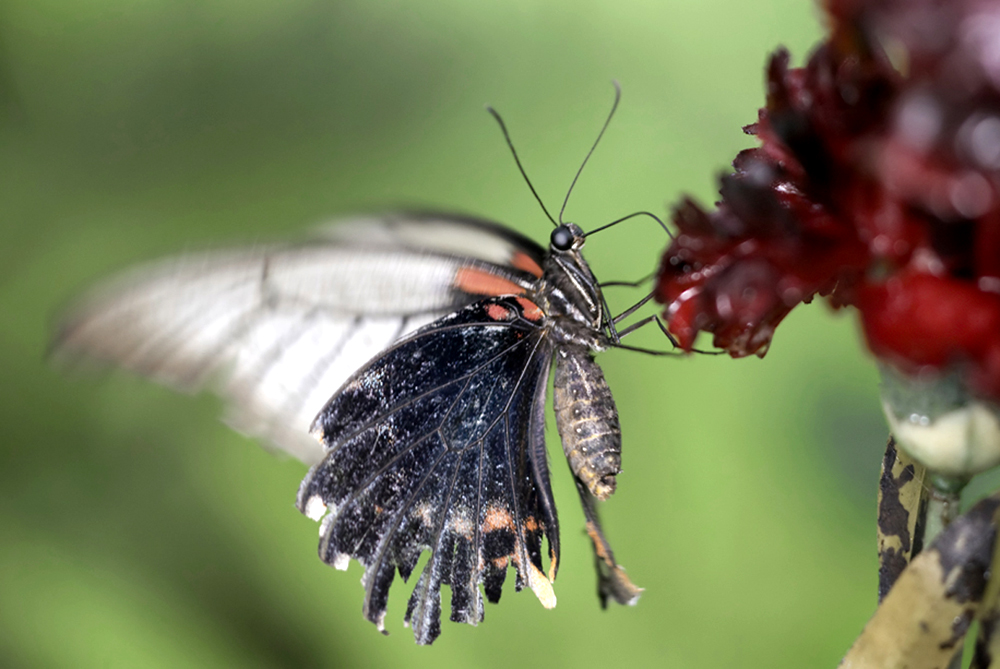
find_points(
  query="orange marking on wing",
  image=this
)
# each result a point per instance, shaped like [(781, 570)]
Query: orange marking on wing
[(521, 260), (498, 313), (481, 282), (497, 518), (531, 310)]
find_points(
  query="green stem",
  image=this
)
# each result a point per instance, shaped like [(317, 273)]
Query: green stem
[(943, 506)]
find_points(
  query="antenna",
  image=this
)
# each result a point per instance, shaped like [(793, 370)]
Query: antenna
[(625, 218), (618, 96), (517, 160)]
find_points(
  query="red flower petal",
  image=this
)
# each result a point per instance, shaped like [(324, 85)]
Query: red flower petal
[(871, 188)]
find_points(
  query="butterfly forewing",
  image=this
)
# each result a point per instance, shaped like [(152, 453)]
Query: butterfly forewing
[(459, 236), (277, 329)]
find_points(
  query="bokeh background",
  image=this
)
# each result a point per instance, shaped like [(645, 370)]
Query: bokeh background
[(137, 531)]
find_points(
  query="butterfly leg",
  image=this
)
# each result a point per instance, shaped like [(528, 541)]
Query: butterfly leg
[(612, 581)]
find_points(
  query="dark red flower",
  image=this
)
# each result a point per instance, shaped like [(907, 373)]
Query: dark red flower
[(876, 184)]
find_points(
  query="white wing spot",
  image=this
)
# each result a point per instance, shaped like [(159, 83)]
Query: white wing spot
[(541, 586), (315, 507), (424, 512)]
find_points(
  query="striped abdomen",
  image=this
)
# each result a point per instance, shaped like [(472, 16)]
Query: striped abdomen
[(587, 420)]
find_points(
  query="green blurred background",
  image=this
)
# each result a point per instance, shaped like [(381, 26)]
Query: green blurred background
[(136, 530)]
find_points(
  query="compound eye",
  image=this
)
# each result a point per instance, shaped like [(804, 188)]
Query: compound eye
[(562, 238)]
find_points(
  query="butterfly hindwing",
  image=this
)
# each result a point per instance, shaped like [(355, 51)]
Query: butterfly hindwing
[(430, 447)]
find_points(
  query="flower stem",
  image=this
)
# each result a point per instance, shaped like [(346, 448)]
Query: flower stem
[(944, 504)]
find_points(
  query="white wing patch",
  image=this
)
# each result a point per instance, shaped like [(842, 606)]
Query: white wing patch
[(442, 234), (289, 369), (359, 280), (277, 331)]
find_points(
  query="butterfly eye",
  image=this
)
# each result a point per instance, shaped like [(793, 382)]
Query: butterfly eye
[(562, 238)]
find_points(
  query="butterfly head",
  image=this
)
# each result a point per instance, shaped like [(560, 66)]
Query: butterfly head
[(565, 238)]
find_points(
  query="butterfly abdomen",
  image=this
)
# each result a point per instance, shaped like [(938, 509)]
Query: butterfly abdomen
[(587, 420)]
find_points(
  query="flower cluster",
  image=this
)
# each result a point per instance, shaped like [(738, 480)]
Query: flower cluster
[(876, 184)]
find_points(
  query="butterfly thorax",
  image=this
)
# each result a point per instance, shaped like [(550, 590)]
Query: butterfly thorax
[(570, 294)]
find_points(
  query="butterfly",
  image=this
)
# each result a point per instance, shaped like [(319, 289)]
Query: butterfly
[(405, 357)]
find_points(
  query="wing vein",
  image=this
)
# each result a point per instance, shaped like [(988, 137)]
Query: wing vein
[(163, 347), (434, 546), (301, 394), (376, 564), (382, 416), (272, 355), (514, 489)]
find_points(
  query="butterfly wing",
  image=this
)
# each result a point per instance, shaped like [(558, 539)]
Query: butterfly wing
[(276, 330), (433, 446)]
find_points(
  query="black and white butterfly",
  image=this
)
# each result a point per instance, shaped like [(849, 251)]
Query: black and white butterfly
[(416, 350)]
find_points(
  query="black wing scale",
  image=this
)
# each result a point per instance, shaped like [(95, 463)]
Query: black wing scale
[(434, 445)]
